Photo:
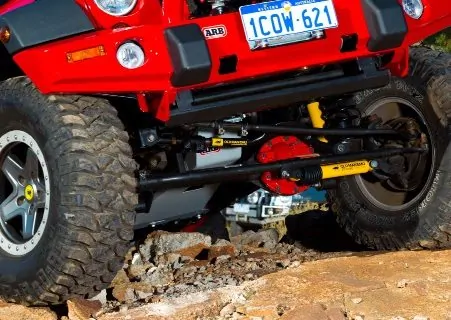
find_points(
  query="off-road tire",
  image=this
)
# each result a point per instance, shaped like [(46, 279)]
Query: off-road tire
[(93, 195), (426, 224)]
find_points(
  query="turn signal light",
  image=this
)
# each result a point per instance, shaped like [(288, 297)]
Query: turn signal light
[(5, 34), (85, 54)]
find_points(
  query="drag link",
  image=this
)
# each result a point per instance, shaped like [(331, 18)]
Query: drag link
[(251, 171), (283, 130)]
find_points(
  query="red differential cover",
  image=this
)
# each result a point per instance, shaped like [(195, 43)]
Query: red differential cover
[(282, 148)]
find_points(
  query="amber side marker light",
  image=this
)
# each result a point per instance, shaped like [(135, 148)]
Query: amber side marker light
[(84, 54), (5, 34)]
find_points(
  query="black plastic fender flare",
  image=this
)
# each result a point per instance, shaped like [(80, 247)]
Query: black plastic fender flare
[(44, 21)]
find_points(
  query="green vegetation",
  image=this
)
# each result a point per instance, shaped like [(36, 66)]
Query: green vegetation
[(440, 41)]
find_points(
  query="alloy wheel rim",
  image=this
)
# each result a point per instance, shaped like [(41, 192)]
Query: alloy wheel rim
[(25, 194), (382, 196)]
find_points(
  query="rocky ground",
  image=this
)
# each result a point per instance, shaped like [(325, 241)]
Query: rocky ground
[(254, 276), (175, 264), (388, 286)]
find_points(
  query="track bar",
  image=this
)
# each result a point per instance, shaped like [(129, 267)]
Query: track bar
[(244, 172)]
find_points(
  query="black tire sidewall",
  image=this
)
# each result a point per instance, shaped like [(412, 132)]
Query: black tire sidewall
[(358, 213), (26, 116)]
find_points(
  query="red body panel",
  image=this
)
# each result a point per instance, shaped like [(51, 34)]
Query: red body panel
[(48, 68)]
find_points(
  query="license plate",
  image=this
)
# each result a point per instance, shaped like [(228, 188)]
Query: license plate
[(286, 21), (241, 208)]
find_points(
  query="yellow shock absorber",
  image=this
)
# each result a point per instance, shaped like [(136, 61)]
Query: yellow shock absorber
[(339, 169), (316, 117), (346, 169)]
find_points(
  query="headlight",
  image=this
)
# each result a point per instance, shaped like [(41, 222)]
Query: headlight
[(253, 198), (130, 55), (413, 8), (116, 7)]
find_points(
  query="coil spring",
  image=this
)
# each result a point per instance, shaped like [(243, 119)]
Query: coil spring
[(310, 175)]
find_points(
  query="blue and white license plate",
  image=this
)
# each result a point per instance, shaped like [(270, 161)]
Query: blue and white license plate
[(285, 21)]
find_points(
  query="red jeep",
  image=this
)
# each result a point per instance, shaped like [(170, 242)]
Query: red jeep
[(121, 114)]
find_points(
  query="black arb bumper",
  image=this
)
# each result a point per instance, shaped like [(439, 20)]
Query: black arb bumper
[(387, 28), (222, 101)]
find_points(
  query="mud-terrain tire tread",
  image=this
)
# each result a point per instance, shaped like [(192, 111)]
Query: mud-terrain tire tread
[(434, 69), (430, 71), (97, 196)]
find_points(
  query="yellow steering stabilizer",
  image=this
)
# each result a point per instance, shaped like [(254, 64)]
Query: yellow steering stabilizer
[(345, 169)]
